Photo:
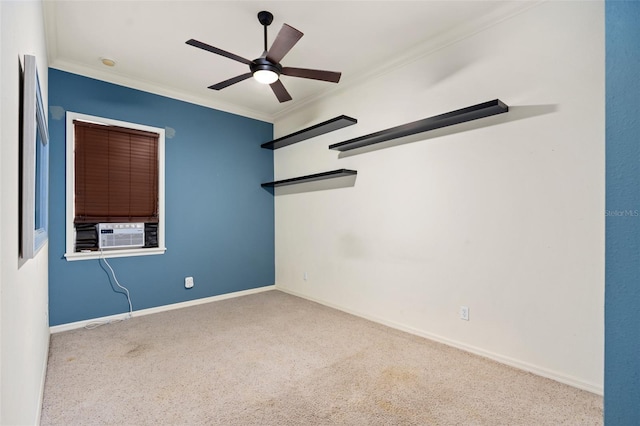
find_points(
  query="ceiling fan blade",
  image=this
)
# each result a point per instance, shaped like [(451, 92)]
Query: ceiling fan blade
[(231, 81), (286, 39), (331, 76), (205, 46), (280, 92)]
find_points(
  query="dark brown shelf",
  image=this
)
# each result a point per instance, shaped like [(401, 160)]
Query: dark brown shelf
[(311, 178), (474, 112), (311, 132)]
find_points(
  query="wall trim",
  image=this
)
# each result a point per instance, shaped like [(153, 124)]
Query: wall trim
[(43, 377), (450, 37), (70, 187), (512, 362), (142, 312), (416, 53), (155, 89)]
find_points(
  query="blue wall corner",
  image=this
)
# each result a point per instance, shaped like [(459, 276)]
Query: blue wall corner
[(219, 221), (622, 289)]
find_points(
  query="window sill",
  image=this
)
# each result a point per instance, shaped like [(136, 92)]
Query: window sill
[(114, 253)]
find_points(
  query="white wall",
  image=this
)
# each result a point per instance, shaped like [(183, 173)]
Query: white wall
[(506, 219), (24, 335)]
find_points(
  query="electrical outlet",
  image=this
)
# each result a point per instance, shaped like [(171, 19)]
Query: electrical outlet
[(464, 313), (306, 277), (188, 282)]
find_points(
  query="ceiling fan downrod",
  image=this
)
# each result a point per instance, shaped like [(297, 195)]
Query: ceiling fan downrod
[(265, 18)]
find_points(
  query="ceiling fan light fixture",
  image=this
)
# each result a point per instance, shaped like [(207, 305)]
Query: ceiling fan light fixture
[(264, 71), (265, 76)]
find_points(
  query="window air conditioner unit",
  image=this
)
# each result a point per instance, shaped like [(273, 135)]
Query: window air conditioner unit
[(120, 235)]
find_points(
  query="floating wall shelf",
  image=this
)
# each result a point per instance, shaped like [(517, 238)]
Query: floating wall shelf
[(311, 178), (310, 132), (474, 112)]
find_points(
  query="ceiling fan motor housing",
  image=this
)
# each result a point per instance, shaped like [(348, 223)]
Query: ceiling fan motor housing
[(266, 65)]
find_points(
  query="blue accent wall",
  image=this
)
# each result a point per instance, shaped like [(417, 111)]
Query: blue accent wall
[(219, 221), (622, 294)]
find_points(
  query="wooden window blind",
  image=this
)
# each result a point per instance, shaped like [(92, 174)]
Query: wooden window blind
[(116, 174)]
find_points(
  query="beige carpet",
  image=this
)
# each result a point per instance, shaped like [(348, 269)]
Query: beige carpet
[(275, 359)]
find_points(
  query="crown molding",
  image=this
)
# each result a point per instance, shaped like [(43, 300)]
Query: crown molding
[(416, 53), (123, 80)]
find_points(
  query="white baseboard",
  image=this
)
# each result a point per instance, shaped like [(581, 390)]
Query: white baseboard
[(540, 371), (43, 378), (521, 365), (118, 317)]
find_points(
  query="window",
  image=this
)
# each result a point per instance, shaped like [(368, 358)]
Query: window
[(34, 164), (115, 174)]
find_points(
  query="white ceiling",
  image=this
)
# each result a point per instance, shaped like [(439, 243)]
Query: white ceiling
[(147, 41)]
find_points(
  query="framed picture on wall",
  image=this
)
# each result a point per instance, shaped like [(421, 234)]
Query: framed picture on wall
[(34, 164)]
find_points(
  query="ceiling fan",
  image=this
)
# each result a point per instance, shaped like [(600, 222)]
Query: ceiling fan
[(267, 69)]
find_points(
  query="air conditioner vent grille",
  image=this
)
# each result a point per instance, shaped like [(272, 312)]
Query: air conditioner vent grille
[(120, 235)]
